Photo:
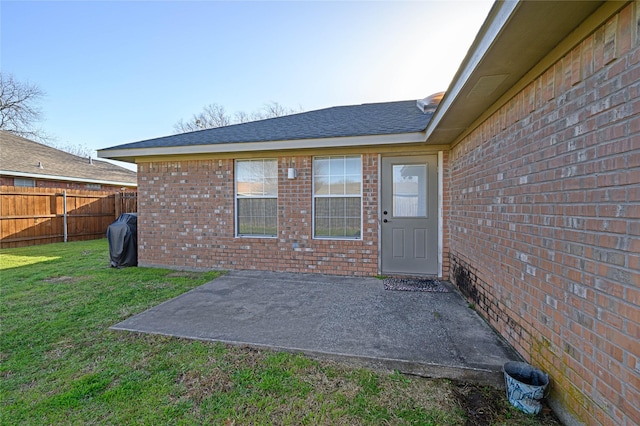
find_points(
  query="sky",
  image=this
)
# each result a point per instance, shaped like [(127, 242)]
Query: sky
[(121, 71)]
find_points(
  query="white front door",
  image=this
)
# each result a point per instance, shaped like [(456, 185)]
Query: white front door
[(409, 215)]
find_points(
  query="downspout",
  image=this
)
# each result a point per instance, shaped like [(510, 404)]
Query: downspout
[(440, 213)]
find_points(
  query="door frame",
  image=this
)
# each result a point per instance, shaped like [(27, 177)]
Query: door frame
[(440, 208)]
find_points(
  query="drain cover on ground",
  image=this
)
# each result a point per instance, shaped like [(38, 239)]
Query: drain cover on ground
[(415, 284)]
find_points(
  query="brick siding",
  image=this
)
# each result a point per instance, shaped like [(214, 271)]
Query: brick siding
[(187, 221), (545, 223)]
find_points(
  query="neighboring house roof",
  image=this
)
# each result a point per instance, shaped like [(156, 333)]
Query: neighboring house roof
[(22, 157), (307, 129)]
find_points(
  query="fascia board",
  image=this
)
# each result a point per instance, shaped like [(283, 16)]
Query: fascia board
[(64, 178), (343, 142)]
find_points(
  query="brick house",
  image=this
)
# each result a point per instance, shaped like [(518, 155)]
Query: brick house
[(296, 193), (522, 188), (31, 164)]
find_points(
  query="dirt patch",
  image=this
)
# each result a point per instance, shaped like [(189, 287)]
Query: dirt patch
[(199, 386), (184, 274), (62, 280), (486, 406), (481, 405)]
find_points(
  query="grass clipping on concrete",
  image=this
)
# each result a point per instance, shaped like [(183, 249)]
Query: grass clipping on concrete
[(60, 363)]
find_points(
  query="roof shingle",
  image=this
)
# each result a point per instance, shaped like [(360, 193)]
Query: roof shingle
[(342, 121), (21, 155)]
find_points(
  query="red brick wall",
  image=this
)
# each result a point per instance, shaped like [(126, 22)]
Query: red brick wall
[(446, 219), (187, 221), (545, 224)]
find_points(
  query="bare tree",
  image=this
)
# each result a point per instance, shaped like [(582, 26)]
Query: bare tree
[(19, 110), (241, 117), (77, 149), (272, 110), (214, 115)]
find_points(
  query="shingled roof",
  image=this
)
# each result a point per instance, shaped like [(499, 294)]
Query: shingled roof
[(26, 158), (386, 118)]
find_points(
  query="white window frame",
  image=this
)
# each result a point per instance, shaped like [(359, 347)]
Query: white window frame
[(316, 196), (238, 197)]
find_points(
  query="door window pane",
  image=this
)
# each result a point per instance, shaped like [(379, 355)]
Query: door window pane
[(409, 190)]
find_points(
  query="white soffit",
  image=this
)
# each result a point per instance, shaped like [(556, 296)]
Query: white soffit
[(486, 85)]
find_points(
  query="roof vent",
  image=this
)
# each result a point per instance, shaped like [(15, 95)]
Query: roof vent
[(90, 160), (40, 166), (430, 103)]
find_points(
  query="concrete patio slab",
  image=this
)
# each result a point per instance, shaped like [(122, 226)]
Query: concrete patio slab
[(343, 318)]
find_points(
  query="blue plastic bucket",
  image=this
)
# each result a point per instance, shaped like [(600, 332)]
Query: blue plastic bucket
[(525, 386)]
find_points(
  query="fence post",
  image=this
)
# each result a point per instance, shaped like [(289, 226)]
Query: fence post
[(64, 203), (117, 204)]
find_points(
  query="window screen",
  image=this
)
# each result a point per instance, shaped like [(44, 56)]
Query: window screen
[(257, 198), (337, 196)]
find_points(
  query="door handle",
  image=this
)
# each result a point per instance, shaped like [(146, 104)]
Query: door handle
[(386, 220)]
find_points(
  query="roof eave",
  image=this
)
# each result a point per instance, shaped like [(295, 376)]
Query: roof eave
[(503, 55), (131, 154), (65, 178), (496, 20)]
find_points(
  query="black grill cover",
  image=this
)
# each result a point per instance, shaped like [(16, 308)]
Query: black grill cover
[(123, 240)]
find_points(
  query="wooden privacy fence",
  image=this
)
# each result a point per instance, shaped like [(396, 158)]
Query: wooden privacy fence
[(31, 216)]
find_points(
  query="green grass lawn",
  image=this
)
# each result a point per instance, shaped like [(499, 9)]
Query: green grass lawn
[(60, 363)]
